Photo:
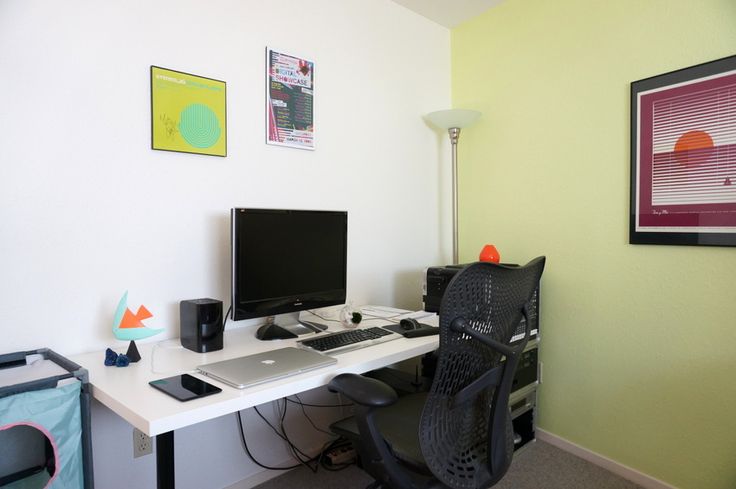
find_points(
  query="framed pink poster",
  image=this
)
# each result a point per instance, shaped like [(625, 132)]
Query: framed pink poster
[(683, 156)]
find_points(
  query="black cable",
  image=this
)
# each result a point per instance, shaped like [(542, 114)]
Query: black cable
[(323, 318), (336, 443), (295, 451), (250, 455), (319, 460), (294, 448), (320, 405), (227, 315), (304, 412), (370, 317), (269, 423)]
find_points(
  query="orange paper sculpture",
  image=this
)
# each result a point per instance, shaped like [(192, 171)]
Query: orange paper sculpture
[(129, 326)]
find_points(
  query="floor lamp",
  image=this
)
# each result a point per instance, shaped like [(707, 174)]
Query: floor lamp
[(453, 120)]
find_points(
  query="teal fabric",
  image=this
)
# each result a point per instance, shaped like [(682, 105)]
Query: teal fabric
[(58, 412), (35, 481)]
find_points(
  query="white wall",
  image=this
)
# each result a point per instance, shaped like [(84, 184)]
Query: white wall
[(88, 210)]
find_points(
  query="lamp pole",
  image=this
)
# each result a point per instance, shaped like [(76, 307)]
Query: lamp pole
[(454, 133), (453, 120)]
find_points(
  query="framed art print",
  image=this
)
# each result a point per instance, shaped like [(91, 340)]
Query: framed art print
[(289, 100), (187, 113), (683, 156)]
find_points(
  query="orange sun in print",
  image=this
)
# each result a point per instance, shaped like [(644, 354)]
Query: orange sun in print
[(694, 147)]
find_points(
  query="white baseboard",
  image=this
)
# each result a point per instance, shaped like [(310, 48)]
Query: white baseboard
[(621, 470)]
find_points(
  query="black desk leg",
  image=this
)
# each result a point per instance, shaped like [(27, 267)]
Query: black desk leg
[(165, 460)]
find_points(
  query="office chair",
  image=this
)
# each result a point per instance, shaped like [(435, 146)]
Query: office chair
[(459, 434)]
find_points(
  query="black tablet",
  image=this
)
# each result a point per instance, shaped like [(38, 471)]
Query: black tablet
[(185, 387)]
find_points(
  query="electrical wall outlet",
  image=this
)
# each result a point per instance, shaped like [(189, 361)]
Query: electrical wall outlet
[(540, 372), (142, 443)]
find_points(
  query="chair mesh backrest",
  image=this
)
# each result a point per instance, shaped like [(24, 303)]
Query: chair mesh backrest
[(454, 439)]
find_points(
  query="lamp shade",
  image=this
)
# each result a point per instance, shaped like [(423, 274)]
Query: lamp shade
[(447, 119)]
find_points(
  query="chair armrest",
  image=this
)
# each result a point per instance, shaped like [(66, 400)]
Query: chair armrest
[(363, 390)]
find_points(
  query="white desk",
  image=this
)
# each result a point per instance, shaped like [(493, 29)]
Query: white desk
[(126, 391)]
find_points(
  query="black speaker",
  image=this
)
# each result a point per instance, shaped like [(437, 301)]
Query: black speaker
[(201, 325)]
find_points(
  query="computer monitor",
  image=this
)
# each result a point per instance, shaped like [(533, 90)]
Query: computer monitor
[(286, 261)]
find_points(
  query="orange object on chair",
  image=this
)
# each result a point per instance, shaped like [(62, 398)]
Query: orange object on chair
[(489, 253)]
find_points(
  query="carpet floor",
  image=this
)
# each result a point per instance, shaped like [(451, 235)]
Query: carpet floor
[(538, 466)]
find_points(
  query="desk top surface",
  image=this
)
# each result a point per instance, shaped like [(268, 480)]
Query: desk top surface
[(126, 390)]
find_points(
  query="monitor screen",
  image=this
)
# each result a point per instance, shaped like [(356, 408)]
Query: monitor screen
[(287, 260)]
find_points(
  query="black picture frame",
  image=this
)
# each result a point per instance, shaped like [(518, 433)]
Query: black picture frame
[(683, 156)]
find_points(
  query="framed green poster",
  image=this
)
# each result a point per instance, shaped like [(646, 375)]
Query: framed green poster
[(187, 113)]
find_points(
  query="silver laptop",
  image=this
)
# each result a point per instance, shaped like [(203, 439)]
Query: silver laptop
[(263, 367)]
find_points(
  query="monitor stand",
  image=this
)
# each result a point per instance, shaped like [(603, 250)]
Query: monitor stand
[(288, 326)]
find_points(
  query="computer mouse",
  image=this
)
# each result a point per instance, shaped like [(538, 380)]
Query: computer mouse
[(426, 331), (408, 324)]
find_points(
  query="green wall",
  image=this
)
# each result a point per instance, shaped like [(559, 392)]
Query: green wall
[(639, 342)]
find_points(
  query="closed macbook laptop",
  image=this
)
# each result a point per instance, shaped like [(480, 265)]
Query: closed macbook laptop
[(255, 369)]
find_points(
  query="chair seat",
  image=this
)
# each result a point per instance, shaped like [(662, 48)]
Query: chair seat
[(399, 425)]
